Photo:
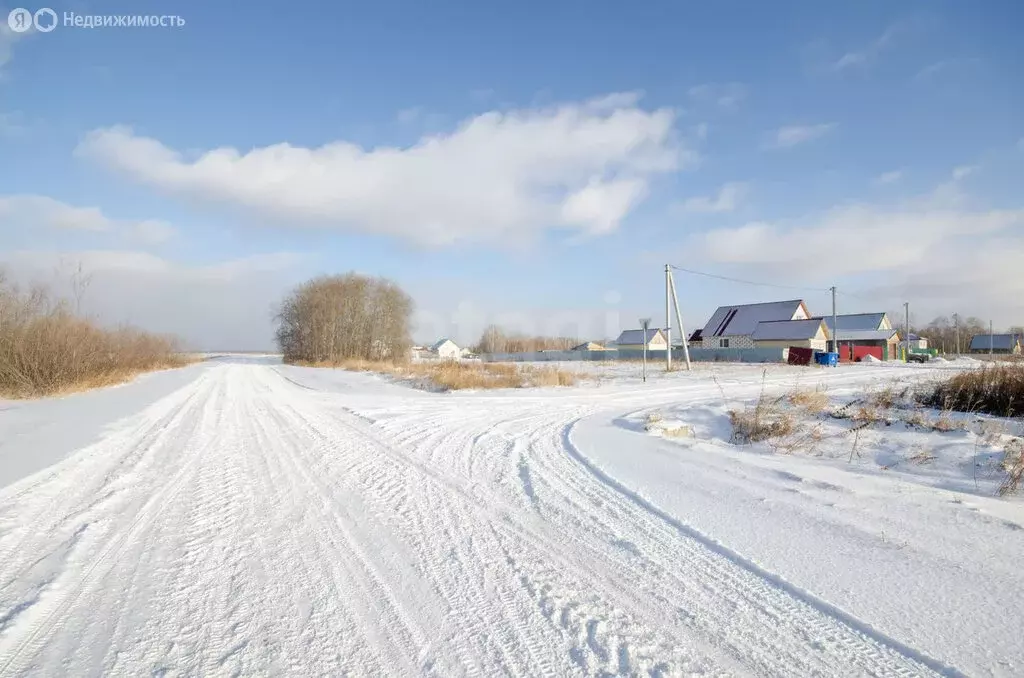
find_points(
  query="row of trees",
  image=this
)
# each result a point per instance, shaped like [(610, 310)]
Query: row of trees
[(942, 332), (342, 317), (496, 340)]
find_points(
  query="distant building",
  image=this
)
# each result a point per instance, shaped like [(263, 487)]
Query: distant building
[(1001, 344), (810, 333), (446, 349), (915, 341), (862, 334), (589, 346), (734, 326), (635, 340)]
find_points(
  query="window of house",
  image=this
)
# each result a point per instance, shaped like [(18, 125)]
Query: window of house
[(724, 343)]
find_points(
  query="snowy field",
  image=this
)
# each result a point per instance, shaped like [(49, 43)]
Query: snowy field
[(241, 517)]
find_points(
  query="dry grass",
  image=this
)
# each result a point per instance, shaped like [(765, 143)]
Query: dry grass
[(46, 348), (885, 398), (996, 389), (754, 425), (814, 401), (945, 423), (868, 413), (452, 375), (1013, 465), (921, 457)]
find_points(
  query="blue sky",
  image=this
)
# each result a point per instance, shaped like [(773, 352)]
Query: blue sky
[(533, 164)]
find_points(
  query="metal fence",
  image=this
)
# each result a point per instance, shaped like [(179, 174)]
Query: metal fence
[(733, 355)]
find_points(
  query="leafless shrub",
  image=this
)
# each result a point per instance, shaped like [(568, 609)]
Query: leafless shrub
[(1013, 465), (331, 319), (885, 398), (46, 347)]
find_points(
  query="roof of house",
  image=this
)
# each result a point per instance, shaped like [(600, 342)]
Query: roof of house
[(785, 330), (742, 320), (1001, 341), (856, 321), (698, 335), (630, 337), (441, 343), (588, 346), (865, 335)]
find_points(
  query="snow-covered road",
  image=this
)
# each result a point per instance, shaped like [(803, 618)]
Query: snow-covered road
[(265, 520)]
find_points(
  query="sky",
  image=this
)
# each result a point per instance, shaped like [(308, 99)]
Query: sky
[(530, 164)]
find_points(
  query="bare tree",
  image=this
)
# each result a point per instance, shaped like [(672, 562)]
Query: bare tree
[(334, 318), (495, 340)]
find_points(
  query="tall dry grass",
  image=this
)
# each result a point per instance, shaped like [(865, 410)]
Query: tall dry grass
[(47, 348), (452, 375), (997, 389)]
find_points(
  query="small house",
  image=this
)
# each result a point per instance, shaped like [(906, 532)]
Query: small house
[(635, 340), (809, 333), (999, 344), (446, 349), (915, 341), (588, 346), (733, 326)]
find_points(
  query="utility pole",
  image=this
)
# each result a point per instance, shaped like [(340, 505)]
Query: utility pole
[(645, 323), (679, 319), (668, 317), (991, 339), (956, 324), (835, 323), (906, 331)]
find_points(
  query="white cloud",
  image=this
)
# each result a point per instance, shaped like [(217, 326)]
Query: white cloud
[(726, 96), (500, 176), (793, 135), (948, 254), (407, 116), (701, 131), (33, 212), (964, 171), (727, 200), (889, 177), (960, 65), (866, 55)]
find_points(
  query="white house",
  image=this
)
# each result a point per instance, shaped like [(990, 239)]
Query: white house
[(446, 349), (734, 326), (634, 340)]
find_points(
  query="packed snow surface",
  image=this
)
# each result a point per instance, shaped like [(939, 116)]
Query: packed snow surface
[(242, 517)]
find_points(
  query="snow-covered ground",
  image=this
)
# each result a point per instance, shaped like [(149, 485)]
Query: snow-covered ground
[(243, 517)]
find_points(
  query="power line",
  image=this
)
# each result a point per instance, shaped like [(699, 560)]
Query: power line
[(750, 282)]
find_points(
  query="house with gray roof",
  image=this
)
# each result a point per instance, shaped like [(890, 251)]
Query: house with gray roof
[(734, 326), (809, 333), (635, 339), (1000, 344), (859, 321), (863, 330)]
